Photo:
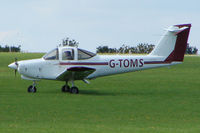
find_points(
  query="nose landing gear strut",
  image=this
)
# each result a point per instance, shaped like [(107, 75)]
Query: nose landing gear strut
[(32, 88)]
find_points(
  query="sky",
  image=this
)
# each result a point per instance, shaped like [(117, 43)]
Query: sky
[(40, 25)]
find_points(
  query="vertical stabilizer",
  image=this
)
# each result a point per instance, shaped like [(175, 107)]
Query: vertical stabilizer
[(173, 44)]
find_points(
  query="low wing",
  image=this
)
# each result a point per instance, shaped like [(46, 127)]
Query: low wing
[(75, 73)]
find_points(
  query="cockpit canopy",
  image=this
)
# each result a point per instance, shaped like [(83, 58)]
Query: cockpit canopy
[(68, 53)]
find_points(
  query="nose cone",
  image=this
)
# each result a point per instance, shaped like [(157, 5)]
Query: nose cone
[(13, 66)]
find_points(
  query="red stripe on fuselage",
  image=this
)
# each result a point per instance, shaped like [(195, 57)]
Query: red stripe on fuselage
[(157, 62), (84, 63), (106, 63)]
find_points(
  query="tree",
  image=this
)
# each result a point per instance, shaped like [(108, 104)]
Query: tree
[(191, 50), (106, 49), (102, 49), (67, 42), (140, 48), (7, 48)]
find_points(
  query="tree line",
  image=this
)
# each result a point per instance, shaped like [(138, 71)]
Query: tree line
[(141, 48), (7, 48), (191, 50)]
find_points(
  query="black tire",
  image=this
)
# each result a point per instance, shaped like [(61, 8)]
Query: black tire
[(74, 90), (31, 89), (65, 89)]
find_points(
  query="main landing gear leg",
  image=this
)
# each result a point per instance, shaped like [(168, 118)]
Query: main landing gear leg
[(32, 88), (65, 87), (73, 89)]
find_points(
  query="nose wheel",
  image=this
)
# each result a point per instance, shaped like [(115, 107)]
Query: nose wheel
[(72, 90), (32, 88)]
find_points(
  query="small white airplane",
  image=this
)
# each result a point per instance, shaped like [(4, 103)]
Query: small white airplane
[(71, 63)]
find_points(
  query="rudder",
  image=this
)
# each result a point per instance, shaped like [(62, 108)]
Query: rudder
[(181, 43)]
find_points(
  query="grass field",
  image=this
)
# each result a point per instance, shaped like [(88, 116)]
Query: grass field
[(152, 101)]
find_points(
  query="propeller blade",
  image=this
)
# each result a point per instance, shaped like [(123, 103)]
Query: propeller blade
[(16, 63)]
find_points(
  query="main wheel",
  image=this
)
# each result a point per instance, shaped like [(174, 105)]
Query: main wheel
[(32, 89), (74, 90), (65, 89)]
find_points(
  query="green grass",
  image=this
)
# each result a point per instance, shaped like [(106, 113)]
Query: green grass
[(152, 101)]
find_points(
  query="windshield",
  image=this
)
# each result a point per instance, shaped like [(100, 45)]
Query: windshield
[(52, 55)]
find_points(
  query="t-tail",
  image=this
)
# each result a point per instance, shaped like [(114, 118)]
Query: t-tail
[(172, 45)]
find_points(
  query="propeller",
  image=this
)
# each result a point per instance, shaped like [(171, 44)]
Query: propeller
[(16, 63)]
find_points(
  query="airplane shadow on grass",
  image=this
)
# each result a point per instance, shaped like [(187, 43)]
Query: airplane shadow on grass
[(119, 92), (87, 92), (97, 93), (129, 93)]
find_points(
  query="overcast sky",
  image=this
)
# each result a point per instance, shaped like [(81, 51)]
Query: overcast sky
[(40, 25)]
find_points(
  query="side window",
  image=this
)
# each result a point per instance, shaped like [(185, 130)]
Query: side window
[(83, 54), (67, 54)]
